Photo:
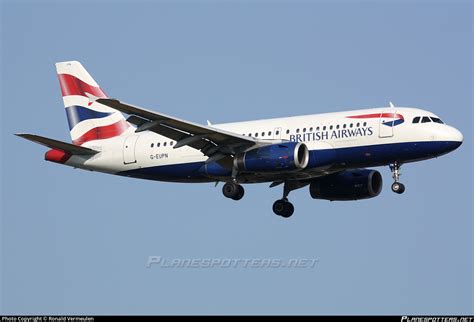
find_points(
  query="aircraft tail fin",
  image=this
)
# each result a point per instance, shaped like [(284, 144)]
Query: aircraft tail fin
[(88, 120)]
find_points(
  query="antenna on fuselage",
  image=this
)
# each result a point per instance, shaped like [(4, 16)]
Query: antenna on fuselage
[(391, 105)]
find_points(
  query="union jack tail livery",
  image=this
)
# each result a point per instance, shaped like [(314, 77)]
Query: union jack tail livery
[(88, 120)]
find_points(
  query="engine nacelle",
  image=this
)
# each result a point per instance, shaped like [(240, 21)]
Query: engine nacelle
[(276, 157), (347, 185)]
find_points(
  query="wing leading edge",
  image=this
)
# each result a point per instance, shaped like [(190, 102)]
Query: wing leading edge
[(212, 142)]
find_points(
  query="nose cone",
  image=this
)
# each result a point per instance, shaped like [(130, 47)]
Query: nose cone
[(454, 135), (457, 135), (451, 137)]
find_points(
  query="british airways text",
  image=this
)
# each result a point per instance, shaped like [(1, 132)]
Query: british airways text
[(332, 134)]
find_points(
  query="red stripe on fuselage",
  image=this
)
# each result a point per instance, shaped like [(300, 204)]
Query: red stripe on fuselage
[(102, 132), (376, 115), (71, 85)]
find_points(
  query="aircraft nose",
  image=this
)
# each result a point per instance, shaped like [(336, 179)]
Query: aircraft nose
[(452, 138), (457, 135)]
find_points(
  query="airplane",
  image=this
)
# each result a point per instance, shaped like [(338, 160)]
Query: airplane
[(330, 153)]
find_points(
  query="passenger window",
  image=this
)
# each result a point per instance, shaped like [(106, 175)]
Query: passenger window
[(344, 126), (152, 145), (297, 130), (324, 128), (365, 123), (250, 134), (304, 129), (317, 129), (263, 133), (269, 133), (277, 132), (416, 120), (351, 125), (437, 120), (311, 129), (330, 127), (171, 143), (358, 125), (164, 143), (287, 131), (425, 119), (256, 135), (337, 126), (158, 145)]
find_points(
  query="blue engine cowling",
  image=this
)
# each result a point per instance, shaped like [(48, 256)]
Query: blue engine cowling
[(285, 156), (347, 185)]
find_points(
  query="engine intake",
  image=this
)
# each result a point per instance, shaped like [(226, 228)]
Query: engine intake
[(347, 185), (275, 157)]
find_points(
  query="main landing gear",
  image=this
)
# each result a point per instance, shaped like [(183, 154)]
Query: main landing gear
[(233, 190), (397, 186), (283, 207)]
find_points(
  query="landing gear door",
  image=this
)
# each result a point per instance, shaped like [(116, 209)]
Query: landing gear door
[(129, 149), (386, 123), (277, 133)]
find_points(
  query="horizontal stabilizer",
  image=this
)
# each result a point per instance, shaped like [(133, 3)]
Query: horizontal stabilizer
[(59, 145)]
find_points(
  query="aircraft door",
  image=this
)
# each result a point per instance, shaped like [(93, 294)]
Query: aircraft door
[(129, 149), (386, 123)]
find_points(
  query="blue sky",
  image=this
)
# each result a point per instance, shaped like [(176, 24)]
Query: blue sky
[(77, 242)]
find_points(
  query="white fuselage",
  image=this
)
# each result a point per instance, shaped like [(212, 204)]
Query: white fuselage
[(359, 138)]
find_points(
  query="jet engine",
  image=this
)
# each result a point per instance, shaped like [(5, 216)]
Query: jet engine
[(285, 156), (347, 185)]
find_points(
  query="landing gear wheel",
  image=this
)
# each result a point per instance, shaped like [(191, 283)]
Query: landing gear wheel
[(289, 210), (229, 189), (283, 208), (278, 207), (240, 193), (233, 191), (398, 187)]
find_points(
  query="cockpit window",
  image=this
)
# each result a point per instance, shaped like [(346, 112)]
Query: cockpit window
[(437, 120), (416, 119), (425, 119)]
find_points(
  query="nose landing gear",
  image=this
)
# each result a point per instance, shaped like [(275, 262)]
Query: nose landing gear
[(397, 186)]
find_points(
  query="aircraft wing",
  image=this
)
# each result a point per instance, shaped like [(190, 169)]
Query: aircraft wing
[(213, 142)]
